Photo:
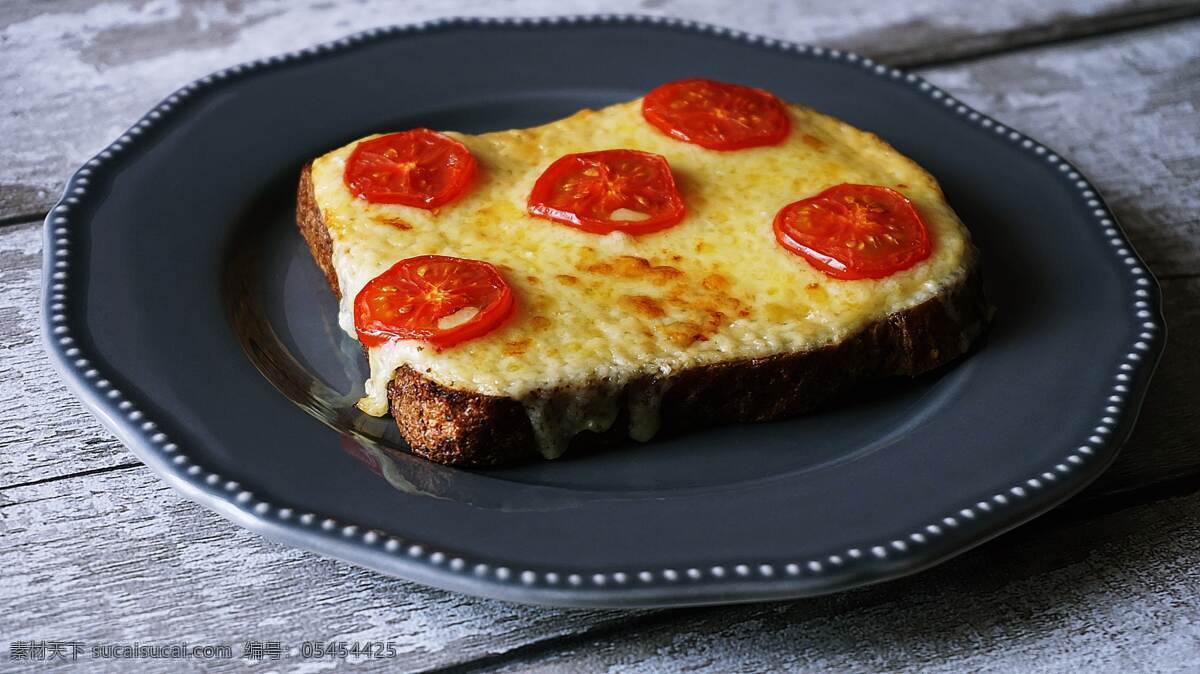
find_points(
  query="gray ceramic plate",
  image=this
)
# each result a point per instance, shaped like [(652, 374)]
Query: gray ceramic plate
[(185, 311)]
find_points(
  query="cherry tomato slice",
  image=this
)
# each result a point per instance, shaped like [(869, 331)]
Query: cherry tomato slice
[(854, 231), (609, 191), (716, 115), (434, 298), (419, 167)]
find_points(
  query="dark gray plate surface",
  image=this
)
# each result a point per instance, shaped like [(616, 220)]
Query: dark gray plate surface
[(185, 311)]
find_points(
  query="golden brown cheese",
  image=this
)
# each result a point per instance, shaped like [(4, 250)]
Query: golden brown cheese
[(607, 309)]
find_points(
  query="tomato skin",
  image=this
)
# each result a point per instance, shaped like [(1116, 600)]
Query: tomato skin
[(852, 232), (587, 190), (716, 115), (412, 298), (418, 167)]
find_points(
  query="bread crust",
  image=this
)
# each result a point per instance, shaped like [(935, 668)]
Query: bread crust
[(465, 428), (312, 227)]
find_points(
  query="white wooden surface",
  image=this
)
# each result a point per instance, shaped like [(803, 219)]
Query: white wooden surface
[(1114, 594), (119, 557), (89, 69), (95, 548)]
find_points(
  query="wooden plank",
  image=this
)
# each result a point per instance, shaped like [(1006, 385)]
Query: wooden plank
[(1115, 592), (161, 568), (119, 557), (1111, 594), (1162, 450), (123, 545), (1125, 110), (44, 430), (125, 537), (1071, 95), (76, 74), (46, 433)]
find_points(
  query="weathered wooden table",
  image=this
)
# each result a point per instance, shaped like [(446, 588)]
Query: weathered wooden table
[(98, 550)]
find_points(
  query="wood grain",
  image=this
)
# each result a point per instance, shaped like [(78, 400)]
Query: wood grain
[(120, 557), (1112, 594), (1147, 165), (47, 433), (1162, 451), (1126, 110), (44, 431), (95, 547), (114, 61), (1115, 592)]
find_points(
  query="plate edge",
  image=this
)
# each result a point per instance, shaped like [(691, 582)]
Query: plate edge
[(622, 588)]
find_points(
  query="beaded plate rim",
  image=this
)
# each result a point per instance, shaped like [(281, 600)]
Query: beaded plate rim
[(747, 581)]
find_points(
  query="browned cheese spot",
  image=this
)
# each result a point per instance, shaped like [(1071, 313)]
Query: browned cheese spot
[(716, 282), (686, 333), (683, 333), (394, 222), (812, 141), (646, 306), (516, 347), (695, 306), (630, 266)]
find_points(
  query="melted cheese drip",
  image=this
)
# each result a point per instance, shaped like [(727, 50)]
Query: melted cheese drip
[(614, 309)]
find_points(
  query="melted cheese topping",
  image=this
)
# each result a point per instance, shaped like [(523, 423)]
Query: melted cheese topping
[(605, 310)]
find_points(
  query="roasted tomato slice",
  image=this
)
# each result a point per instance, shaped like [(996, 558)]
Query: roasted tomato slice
[(438, 299), (717, 115), (418, 167), (609, 191), (854, 231)]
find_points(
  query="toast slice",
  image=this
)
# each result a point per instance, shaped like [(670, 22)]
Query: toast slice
[(703, 324)]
